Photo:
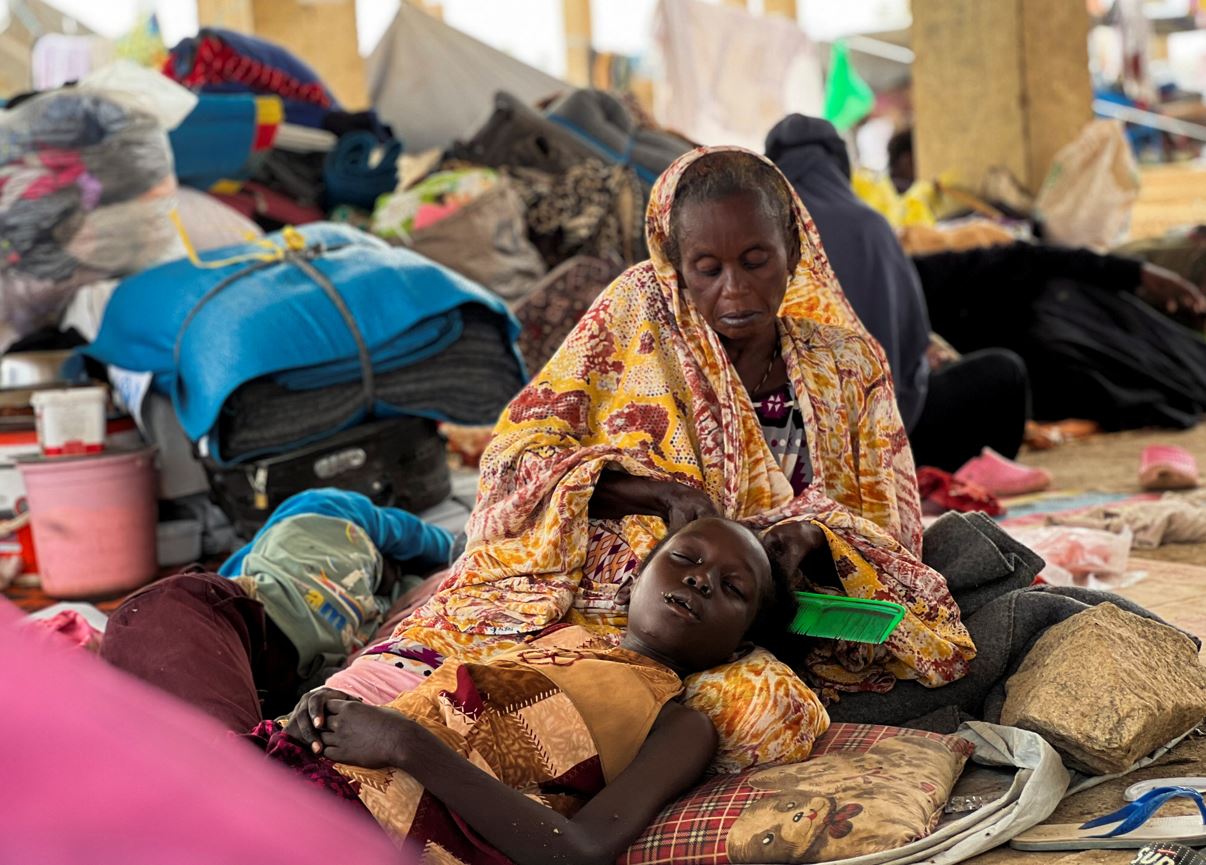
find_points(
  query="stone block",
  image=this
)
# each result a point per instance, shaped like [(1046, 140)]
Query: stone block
[(1106, 687)]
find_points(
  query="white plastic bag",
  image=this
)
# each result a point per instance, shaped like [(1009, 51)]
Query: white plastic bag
[(1075, 556), (1087, 197), (86, 186), (146, 90)]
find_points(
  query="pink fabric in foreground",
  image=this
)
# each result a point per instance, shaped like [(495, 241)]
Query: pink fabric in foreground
[(372, 681), (72, 627), (100, 768)]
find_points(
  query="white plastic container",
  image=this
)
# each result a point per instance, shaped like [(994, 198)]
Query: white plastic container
[(71, 421)]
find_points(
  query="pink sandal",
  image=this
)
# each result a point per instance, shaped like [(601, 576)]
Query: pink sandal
[(1165, 467), (1002, 476)]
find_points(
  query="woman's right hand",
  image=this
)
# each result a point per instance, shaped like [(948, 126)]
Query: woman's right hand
[(310, 715), (619, 495), (683, 504)]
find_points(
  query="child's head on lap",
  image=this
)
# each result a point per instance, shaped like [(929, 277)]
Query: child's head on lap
[(704, 593)]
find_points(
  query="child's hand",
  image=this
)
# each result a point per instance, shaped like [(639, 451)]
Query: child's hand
[(309, 717), (362, 735)]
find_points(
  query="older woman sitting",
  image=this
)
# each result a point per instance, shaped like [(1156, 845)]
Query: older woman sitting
[(726, 375)]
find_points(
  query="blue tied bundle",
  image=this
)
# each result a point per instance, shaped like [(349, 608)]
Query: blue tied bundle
[(350, 175)]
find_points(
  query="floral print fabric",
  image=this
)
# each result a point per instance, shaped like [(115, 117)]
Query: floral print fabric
[(644, 386)]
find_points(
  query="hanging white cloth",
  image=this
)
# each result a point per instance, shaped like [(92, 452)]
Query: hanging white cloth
[(729, 76)]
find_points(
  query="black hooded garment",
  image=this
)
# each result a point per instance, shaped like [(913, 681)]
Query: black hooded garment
[(870, 264)]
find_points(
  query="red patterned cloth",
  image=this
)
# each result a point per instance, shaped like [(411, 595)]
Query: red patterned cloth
[(216, 62), (941, 491)]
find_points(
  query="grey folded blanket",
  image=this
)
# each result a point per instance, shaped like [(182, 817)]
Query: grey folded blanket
[(470, 382), (990, 576), (611, 129)]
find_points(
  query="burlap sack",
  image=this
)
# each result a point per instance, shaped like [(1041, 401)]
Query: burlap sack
[(487, 241)]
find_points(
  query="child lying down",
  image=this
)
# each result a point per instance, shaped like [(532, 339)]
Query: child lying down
[(564, 749)]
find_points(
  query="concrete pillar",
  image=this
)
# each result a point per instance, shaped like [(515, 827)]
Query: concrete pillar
[(576, 17), (320, 32), (1004, 82)]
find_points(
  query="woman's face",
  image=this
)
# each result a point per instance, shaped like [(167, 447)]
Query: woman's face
[(734, 263)]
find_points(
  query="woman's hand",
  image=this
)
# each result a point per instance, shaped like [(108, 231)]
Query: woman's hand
[(619, 495), (798, 547), (1169, 292), (372, 737), (682, 504), (310, 716)]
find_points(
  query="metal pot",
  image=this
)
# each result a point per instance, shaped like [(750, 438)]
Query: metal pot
[(32, 368)]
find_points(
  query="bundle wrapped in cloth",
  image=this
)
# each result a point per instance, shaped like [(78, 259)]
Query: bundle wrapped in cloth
[(86, 186), (308, 332)]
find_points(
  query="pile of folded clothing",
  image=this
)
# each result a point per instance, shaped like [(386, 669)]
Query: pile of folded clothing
[(270, 351), (581, 125), (268, 137), (532, 190)]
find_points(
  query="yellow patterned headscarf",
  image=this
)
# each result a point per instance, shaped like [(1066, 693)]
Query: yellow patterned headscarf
[(813, 291)]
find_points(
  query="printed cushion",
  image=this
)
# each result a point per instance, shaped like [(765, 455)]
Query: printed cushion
[(763, 712), (867, 789)]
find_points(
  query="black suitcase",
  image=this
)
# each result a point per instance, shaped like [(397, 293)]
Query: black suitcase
[(398, 463)]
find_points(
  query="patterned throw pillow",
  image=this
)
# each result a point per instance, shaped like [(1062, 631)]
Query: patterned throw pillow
[(866, 790), (763, 712)]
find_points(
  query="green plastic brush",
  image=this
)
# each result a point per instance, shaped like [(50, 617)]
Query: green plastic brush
[(859, 620)]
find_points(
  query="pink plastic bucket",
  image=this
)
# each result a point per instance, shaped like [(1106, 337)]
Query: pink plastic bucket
[(93, 522)]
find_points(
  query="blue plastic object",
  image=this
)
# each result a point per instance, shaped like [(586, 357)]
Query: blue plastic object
[(1135, 814)]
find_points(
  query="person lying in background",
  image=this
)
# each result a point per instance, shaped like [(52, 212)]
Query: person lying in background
[(1171, 276), (1097, 332), (310, 589)]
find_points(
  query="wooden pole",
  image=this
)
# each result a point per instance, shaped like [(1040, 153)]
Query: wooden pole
[(576, 14), (783, 8)]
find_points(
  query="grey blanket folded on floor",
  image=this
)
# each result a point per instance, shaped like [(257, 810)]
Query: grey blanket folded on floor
[(608, 126), (990, 576), (471, 382)]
